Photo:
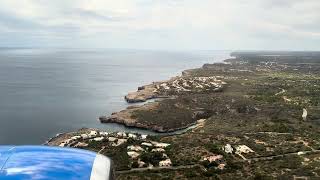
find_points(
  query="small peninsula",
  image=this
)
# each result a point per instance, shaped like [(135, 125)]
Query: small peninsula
[(167, 114)]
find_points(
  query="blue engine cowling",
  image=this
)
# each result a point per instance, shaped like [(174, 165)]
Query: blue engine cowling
[(44, 162)]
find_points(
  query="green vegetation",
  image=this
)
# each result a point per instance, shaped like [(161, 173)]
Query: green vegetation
[(152, 157), (216, 149)]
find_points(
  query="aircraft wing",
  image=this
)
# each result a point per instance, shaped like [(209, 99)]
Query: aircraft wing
[(44, 162)]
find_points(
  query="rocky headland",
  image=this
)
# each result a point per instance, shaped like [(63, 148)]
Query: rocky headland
[(170, 89)]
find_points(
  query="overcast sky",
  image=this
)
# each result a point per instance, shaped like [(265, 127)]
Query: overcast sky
[(162, 24)]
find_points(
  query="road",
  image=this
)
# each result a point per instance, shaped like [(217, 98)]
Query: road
[(265, 158)]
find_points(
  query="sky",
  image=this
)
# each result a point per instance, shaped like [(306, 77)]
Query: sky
[(162, 24)]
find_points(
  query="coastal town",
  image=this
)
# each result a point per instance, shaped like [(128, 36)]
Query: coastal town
[(250, 117)]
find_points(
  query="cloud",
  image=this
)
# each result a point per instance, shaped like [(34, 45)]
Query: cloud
[(92, 15), (164, 24), (15, 22)]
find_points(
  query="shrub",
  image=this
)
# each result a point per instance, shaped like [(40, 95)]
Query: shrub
[(135, 164), (260, 176), (152, 157), (214, 148), (190, 174), (208, 164)]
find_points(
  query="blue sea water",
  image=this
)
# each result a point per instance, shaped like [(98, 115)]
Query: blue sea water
[(48, 91)]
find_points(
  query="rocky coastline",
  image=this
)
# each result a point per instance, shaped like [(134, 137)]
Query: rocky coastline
[(252, 117), (130, 124), (165, 90)]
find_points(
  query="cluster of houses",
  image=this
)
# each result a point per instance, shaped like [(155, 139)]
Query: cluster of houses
[(134, 152), (228, 149), (187, 84), (143, 145), (117, 139), (238, 150)]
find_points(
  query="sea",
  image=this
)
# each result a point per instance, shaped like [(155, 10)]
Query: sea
[(45, 91)]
